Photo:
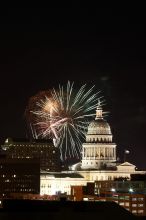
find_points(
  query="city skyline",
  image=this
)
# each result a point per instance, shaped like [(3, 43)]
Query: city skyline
[(38, 53)]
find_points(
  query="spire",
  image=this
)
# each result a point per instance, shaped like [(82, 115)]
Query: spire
[(99, 111)]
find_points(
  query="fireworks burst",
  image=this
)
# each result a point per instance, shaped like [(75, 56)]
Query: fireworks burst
[(63, 115)]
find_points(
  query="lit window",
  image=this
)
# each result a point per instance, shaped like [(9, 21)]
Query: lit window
[(140, 211), (140, 199), (140, 205)]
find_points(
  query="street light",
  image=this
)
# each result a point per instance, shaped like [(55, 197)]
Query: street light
[(131, 190), (113, 190)]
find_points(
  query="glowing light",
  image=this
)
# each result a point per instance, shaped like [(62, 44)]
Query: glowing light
[(113, 190), (63, 115), (131, 190)]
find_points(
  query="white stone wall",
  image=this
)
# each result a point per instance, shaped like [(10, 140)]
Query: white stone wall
[(51, 185)]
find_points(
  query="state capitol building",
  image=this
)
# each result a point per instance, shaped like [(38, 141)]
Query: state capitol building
[(31, 169), (98, 161)]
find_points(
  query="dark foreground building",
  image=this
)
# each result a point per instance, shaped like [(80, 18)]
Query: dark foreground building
[(29, 209), (44, 150), (19, 176)]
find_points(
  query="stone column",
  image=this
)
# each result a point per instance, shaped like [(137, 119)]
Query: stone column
[(110, 153), (99, 152), (86, 153), (107, 151)]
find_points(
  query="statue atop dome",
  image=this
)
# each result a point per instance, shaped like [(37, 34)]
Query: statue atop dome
[(99, 111), (99, 125)]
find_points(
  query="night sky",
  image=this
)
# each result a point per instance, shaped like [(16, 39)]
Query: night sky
[(40, 48)]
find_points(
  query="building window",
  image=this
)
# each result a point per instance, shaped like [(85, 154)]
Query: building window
[(140, 205), (140, 199), (140, 211), (134, 199)]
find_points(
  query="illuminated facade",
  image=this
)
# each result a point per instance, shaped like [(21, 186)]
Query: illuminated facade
[(99, 154), (99, 151), (98, 162), (98, 159), (57, 183)]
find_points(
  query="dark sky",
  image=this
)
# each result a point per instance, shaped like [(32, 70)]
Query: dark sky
[(40, 48)]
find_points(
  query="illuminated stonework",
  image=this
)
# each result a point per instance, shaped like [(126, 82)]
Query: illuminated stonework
[(56, 183), (99, 151), (98, 162)]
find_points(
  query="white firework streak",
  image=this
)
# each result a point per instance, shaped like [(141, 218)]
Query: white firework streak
[(64, 116)]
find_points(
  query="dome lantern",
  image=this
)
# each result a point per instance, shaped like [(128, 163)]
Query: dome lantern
[(99, 111)]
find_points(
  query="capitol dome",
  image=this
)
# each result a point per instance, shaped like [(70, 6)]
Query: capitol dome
[(99, 130), (99, 126)]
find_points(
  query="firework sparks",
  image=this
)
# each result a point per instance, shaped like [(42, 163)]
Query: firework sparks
[(63, 115)]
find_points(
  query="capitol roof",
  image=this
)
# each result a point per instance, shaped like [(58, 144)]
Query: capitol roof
[(99, 125)]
